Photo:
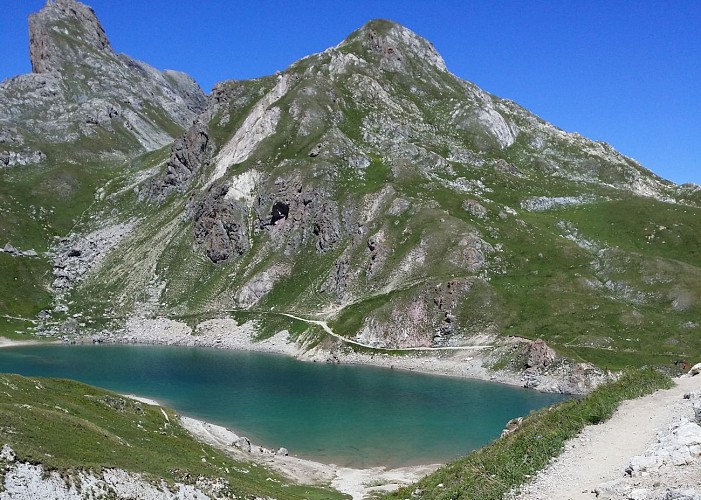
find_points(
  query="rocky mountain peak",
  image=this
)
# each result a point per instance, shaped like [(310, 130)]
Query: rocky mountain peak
[(393, 46), (80, 89), (64, 32)]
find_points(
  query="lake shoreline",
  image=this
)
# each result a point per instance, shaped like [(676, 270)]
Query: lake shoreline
[(357, 482), (466, 362), (471, 363), (228, 335), (6, 342)]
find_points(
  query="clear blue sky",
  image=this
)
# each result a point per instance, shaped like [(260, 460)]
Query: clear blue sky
[(624, 72)]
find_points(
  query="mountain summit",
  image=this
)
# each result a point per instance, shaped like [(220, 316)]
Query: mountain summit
[(80, 89), (62, 33), (365, 187), (392, 46)]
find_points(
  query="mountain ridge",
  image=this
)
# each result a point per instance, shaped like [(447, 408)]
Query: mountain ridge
[(368, 187)]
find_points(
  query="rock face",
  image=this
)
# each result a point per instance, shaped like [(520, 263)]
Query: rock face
[(80, 88), (539, 355), (46, 54), (221, 225), (187, 155)]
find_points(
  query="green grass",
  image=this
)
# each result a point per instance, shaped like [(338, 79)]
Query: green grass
[(507, 463), (67, 425), (24, 285), (351, 318)]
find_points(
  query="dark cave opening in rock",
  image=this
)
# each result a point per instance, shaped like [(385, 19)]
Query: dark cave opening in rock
[(280, 211)]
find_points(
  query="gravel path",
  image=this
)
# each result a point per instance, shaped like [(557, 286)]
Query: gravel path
[(654, 437)]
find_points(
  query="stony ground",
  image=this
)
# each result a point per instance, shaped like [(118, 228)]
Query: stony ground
[(650, 449)]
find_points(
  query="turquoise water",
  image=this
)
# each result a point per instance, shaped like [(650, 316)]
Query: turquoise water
[(348, 415)]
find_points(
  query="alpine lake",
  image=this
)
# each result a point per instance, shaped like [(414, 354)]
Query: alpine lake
[(355, 416)]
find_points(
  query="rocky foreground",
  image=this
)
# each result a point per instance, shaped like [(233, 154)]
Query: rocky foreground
[(26, 481), (649, 450)]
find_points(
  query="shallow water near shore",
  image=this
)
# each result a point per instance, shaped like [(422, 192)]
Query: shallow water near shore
[(355, 416)]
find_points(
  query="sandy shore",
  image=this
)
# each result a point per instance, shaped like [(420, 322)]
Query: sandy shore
[(359, 483), (5, 342)]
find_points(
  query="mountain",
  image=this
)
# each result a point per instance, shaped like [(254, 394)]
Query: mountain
[(365, 186), (68, 128)]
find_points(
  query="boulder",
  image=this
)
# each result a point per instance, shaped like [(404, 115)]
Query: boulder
[(474, 208), (8, 248), (679, 494), (695, 370), (539, 354), (282, 452), (512, 426), (7, 454), (639, 494), (641, 464), (688, 434), (243, 443), (315, 151), (611, 489)]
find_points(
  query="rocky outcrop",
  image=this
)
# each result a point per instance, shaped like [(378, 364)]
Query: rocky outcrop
[(188, 153), (541, 367), (539, 355), (396, 47), (29, 481), (46, 52), (474, 208), (221, 225), (260, 285), (296, 215), (20, 158), (80, 88), (543, 203)]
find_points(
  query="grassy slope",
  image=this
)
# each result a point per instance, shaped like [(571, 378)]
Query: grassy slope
[(635, 305), (68, 425), (545, 286), (609, 308), (492, 471)]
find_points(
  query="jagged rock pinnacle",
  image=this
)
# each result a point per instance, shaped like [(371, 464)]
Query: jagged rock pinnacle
[(57, 21)]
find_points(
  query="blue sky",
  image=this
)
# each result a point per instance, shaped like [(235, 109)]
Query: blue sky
[(624, 72)]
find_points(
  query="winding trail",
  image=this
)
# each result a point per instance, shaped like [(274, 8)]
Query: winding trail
[(325, 326), (601, 453)]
